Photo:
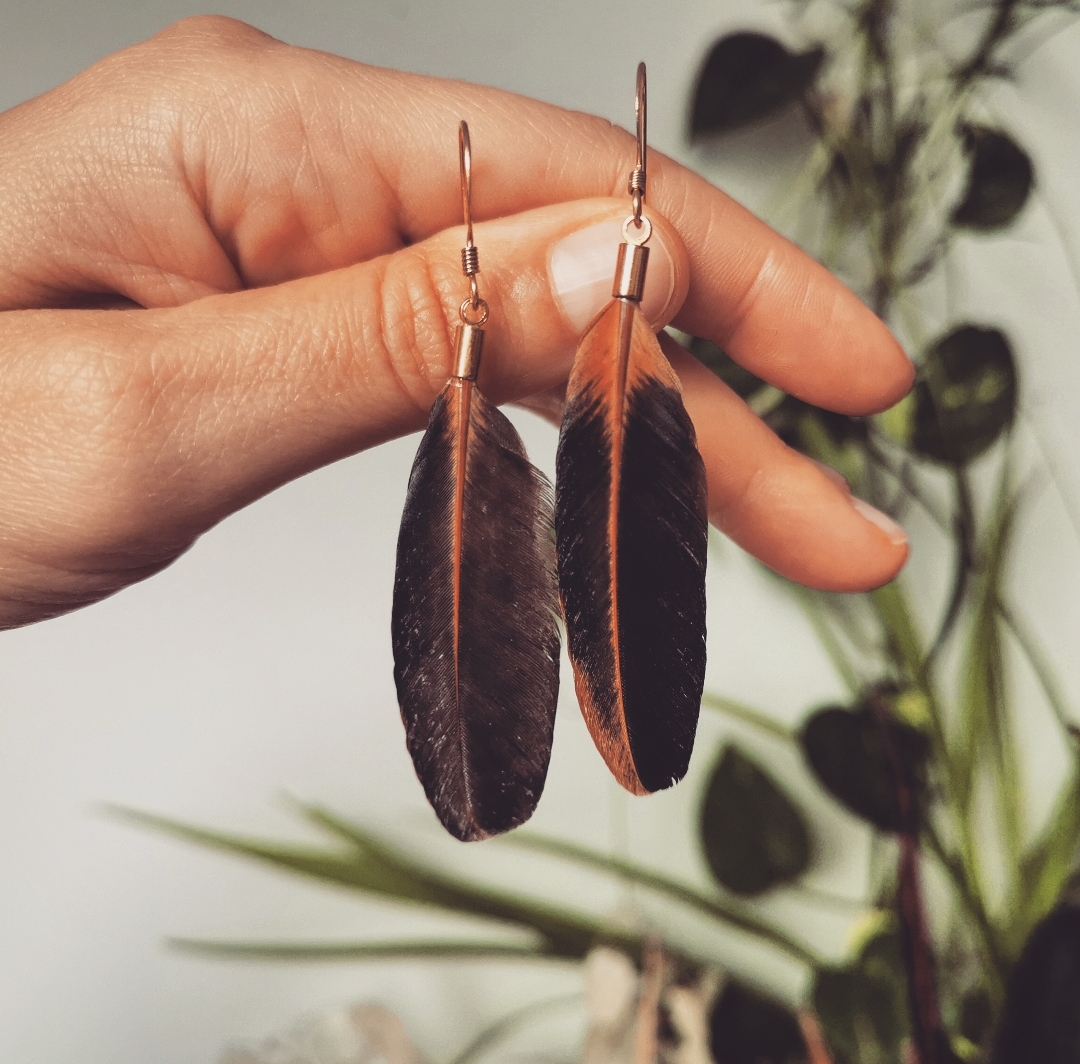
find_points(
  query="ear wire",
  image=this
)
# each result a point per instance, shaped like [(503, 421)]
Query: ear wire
[(469, 342)]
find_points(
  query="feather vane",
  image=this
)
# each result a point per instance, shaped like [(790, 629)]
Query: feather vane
[(474, 626), (632, 535)]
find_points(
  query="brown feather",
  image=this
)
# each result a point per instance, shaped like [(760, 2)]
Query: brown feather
[(474, 628), (632, 533)]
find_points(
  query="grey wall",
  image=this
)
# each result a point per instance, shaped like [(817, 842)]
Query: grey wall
[(259, 664)]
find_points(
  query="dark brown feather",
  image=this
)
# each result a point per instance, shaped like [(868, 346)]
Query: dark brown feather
[(475, 632), (632, 534)]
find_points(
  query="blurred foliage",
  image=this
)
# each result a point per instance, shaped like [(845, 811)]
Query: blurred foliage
[(848, 752), (863, 1005), (747, 1028), (753, 836), (747, 77), (901, 163)]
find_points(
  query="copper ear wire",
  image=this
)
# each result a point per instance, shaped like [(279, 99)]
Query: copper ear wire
[(638, 174), (469, 341), (633, 255)]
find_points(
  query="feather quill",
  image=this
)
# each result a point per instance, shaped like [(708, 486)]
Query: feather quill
[(474, 627), (631, 538)]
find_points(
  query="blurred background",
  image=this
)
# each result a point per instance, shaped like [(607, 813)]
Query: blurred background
[(259, 665)]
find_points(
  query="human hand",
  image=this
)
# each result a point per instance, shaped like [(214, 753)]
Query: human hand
[(225, 262)]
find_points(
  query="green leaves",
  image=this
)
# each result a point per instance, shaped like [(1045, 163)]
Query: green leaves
[(966, 395), (863, 1007), (754, 838), (1000, 177), (365, 863), (747, 77), (746, 1028), (846, 749)]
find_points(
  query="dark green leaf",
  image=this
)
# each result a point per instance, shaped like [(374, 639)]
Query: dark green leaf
[(746, 77), (1041, 1018), (799, 425), (746, 1028), (847, 752), (863, 1007), (739, 380), (753, 836), (965, 397), (999, 180)]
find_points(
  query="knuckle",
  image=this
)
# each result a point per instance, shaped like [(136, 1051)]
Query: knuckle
[(412, 333), (212, 32)]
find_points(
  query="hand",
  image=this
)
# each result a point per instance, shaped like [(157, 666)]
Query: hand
[(226, 261)]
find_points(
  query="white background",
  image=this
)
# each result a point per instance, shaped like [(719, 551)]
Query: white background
[(259, 664)]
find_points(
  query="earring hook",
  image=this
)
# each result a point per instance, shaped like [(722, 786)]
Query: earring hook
[(638, 175), (470, 254), (465, 163)]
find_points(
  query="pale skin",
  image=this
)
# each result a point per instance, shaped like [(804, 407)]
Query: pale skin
[(225, 261)]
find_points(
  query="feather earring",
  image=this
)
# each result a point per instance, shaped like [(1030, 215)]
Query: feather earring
[(631, 528), (474, 627)]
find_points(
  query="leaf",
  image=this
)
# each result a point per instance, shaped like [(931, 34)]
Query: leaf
[(845, 749), (423, 949), (371, 866), (985, 734), (1000, 177), (1041, 1020), (862, 1007), (754, 838), (802, 426), (747, 1028), (747, 77), (966, 395)]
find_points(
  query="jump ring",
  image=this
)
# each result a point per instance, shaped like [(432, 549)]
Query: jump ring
[(467, 305), (641, 231)]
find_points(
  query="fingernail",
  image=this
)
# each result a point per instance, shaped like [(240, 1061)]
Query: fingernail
[(834, 475), (582, 268), (897, 536)]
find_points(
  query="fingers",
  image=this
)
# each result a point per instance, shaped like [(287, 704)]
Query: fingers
[(128, 433), (260, 163), (777, 504)]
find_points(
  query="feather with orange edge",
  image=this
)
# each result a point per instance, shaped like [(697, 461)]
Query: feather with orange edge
[(631, 540)]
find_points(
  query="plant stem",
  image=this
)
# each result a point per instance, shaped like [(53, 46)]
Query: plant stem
[(996, 968), (996, 31)]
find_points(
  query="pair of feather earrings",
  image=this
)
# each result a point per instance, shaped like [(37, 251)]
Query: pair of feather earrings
[(480, 577)]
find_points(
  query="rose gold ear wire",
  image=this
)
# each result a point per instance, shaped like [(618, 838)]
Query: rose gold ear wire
[(633, 255), (469, 341), (637, 175)]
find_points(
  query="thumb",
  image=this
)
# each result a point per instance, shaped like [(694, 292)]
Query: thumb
[(131, 432)]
